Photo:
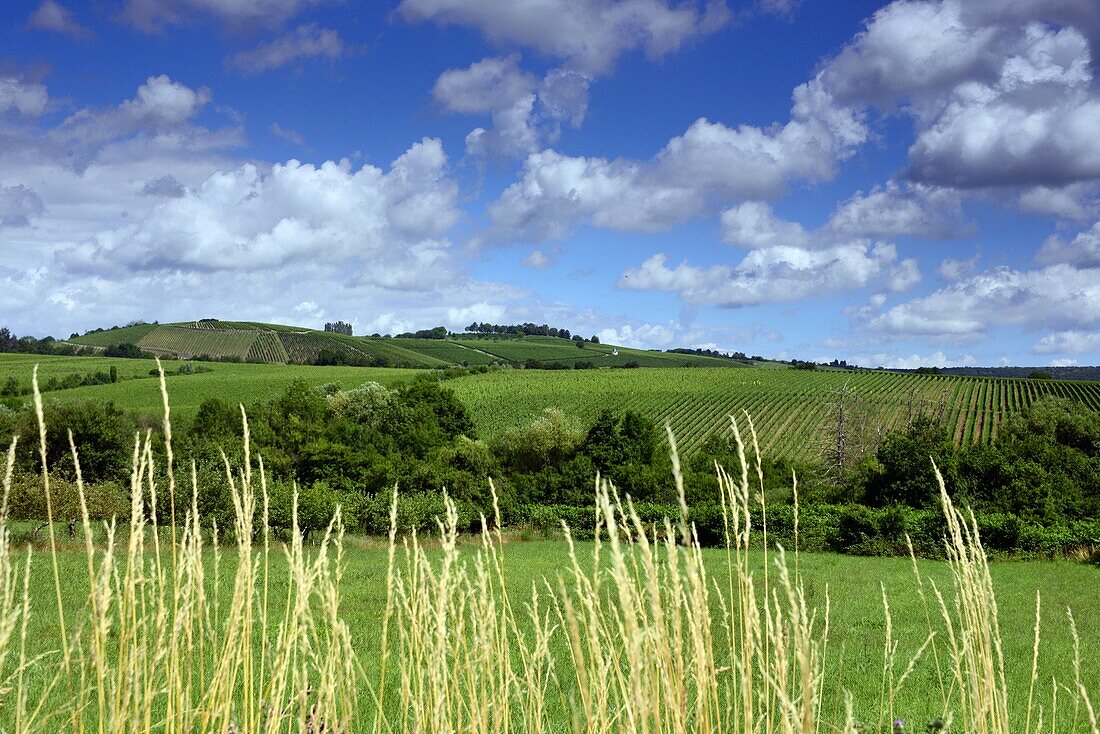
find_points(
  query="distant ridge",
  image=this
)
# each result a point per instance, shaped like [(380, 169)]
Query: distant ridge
[(245, 341), (1074, 372)]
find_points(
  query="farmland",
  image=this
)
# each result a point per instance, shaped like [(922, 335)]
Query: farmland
[(256, 342), (791, 408)]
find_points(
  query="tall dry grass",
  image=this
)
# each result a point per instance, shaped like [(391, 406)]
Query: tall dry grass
[(636, 634)]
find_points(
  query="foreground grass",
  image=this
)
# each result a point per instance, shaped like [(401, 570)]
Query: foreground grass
[(857, 625)]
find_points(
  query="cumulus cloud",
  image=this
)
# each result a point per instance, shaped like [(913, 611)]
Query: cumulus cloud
[(775, 274), (1083, 250), (306, 42), (710, 162), (899, 209), (1002, 93), (17, 205), (753, 224), (590, 36), (52, 16), (908, 51), (526, 112), (1058, 296), (387, 226), (161, 115)]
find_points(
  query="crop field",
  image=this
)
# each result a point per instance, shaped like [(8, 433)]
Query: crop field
[(397, 354), (267, 348), (194, 341), (446, 350), (790, 407)]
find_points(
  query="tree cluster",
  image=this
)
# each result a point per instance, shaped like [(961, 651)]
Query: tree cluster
[(339, 327), (525, 329), (438, 332)]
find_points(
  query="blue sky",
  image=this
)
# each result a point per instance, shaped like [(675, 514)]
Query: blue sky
[(901, 184)]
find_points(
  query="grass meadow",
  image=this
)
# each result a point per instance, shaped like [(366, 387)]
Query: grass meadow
[(136, 627), (853, 660)]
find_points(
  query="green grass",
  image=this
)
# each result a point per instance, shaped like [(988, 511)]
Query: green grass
[(246, 383), (791, 407), (114, 337), (857, 623), (21, 366)]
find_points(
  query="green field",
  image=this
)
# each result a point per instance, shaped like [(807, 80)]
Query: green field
[(790, 408), (856, 629), (236, 383), (256, 342)]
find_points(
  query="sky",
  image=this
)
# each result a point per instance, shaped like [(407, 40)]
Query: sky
[(913, 183)]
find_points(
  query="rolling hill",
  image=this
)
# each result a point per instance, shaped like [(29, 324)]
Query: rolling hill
[(280, 344)]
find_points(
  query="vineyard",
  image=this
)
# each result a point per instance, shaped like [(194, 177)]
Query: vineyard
[(267, 348), (790, 408), (187, 341), (446, 350)]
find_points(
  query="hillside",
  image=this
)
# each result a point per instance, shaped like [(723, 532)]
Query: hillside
[(280, 344), (791, 408)]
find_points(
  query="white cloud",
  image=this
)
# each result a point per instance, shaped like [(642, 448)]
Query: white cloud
[(589, 35), (20, 94), (52, 16), (1001, 92), (1068, 202), (1083, 250), (709, 162), (777, 274), (1058, 296), (753, 224), (160, 117), (525, 112), (481, 312), (484, 86), (910, 50), (913, 361), (1069, 342), (306, 42), (381, 228), (899, 209)]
